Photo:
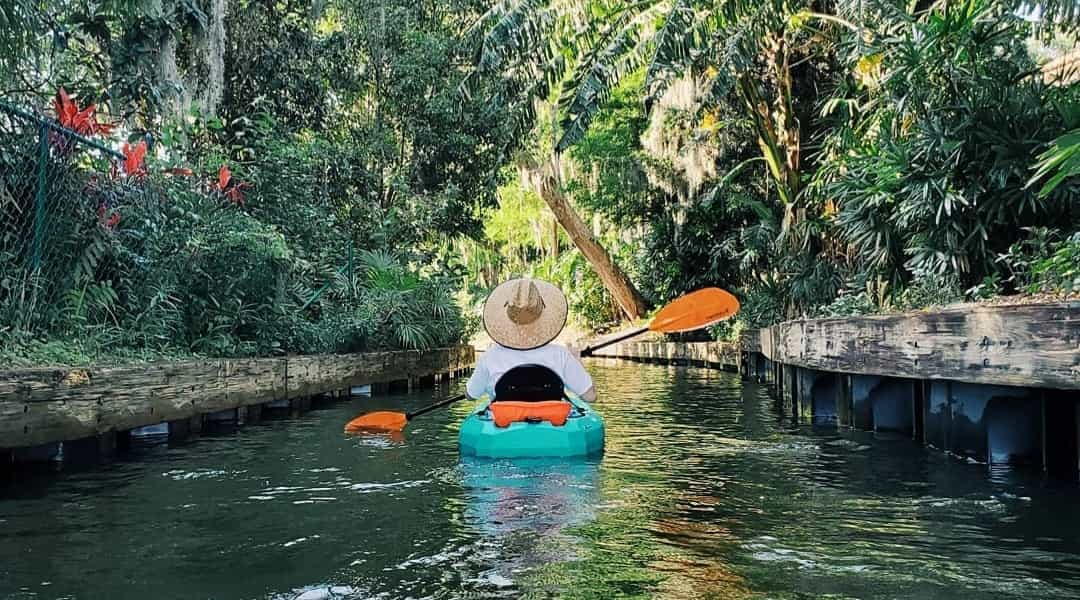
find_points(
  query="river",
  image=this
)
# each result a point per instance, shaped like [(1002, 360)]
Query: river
[(704, 491)]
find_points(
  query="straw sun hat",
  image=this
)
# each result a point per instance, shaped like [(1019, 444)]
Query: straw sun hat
[(524, 313)]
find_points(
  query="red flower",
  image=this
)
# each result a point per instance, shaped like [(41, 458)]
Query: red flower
[(82, 122), (232, 190), (133, 159), (223, 177), (113, 221)]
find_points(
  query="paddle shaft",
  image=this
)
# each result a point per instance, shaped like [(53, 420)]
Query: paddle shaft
[(439, 404), (584, 352), (588, 350)]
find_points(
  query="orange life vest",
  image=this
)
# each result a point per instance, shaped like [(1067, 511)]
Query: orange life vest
[(511, 411)]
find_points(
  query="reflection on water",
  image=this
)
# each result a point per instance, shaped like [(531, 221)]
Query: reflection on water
[(542, 496), (704, 491)]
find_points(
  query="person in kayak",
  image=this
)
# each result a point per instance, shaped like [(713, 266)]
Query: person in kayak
[(523, 317)]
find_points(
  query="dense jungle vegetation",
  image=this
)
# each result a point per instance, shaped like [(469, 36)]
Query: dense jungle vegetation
[(340, 175)]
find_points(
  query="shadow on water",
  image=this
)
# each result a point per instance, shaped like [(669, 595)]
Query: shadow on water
[(705, 491)]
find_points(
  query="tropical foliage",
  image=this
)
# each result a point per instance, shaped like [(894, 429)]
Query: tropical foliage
[(299, 206), (319, 175), (810, 155)]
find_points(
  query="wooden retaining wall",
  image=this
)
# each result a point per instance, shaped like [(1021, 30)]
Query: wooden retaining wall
[(714, 354), (45, 405), (994, 384), (997, 384), (1030, 345)]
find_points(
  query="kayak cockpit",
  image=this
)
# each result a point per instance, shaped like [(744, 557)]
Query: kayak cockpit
[(532, 415)]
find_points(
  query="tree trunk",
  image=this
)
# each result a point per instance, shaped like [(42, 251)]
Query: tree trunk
[(206, 78), (197, 75), (547, 182), (554, 238), (778, 130)]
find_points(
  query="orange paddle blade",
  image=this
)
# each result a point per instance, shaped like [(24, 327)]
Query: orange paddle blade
[(383, 420), (695, 310)]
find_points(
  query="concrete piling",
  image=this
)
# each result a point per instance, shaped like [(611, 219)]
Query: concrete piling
[(817, 396), (883, 403)]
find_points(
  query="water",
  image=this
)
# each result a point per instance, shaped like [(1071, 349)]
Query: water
[(704, 491)]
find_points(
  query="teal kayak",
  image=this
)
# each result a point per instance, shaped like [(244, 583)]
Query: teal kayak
[(582, 435)]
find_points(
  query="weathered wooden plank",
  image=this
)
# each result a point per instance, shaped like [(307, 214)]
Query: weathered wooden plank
[(750, 340), (255, 380), (715, 353), (39, 406), (1032, 345)]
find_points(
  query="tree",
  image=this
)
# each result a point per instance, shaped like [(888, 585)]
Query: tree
[(547, 181), (755, 48)]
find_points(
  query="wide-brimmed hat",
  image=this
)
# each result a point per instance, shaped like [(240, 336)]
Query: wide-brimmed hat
[(524, 313)]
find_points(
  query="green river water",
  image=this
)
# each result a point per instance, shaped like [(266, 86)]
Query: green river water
[(704, 492)]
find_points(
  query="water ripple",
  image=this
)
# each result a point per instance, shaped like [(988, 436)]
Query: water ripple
[(705, 491)]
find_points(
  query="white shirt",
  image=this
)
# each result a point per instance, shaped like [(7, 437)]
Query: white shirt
[(500, 359)]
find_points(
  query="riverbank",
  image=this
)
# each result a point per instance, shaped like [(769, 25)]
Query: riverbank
[(992, 383), (46, 406)]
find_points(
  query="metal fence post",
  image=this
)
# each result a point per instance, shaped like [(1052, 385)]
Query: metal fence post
[(39, 198)]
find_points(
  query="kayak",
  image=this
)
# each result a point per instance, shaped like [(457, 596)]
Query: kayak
[(580, 432)]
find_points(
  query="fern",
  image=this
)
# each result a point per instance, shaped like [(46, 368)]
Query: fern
[(86, 265)]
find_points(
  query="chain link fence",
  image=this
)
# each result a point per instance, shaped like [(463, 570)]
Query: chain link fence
[(48, 213), (173, 260)]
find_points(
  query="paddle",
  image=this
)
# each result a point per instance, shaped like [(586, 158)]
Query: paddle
[(693, 311)]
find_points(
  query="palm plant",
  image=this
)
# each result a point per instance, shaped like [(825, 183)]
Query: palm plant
[(1058, 163), (928, 162), (749, 48), (754, 48)]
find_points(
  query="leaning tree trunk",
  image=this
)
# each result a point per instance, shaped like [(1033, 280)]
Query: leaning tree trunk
[(547, 182)]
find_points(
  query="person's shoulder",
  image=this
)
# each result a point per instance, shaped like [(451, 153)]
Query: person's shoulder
[(489, 353), (558, 350)]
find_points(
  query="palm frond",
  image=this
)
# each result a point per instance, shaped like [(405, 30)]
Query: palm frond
[(673, 43), (519, 29), (1060, 162), (597, 73)]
